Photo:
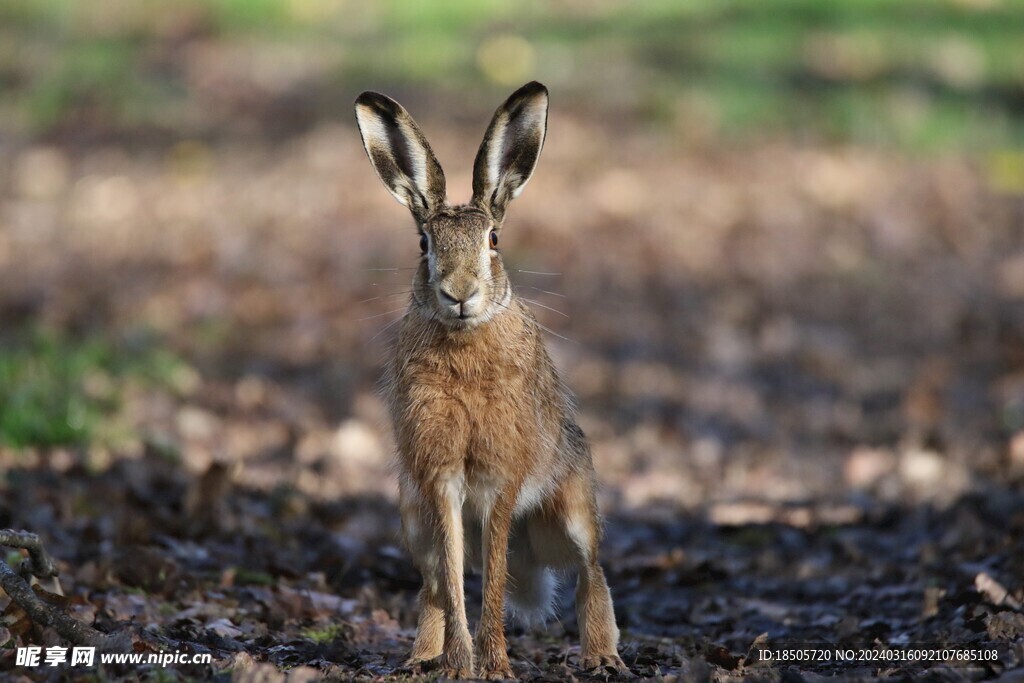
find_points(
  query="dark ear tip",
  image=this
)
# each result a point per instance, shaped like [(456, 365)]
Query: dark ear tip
[(531, 89), (375, 100), (367, 97)]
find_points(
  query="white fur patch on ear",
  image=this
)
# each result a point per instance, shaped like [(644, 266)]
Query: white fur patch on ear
[(417, 156), (534, 117), (376, 132), (400, 154), (496, 150), (501, 154)]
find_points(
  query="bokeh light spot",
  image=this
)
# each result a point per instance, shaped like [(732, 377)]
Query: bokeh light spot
[(506, 59)]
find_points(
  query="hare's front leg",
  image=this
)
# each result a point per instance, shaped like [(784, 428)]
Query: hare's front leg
[(430, 627), (445, 500), (492, 654), (421, 541)]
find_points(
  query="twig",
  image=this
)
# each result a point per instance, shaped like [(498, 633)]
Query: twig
[(40, 565)]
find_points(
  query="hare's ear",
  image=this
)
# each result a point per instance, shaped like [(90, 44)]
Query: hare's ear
[(400, 154), (510, 149)]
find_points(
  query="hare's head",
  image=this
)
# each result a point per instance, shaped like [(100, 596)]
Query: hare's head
[(461, 280)]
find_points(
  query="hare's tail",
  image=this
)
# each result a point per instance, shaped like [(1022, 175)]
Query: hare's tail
[(531, 587)]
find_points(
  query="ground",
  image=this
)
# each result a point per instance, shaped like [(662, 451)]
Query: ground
[(285, 584)]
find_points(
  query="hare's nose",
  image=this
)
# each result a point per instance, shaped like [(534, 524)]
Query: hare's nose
[(450, 299)]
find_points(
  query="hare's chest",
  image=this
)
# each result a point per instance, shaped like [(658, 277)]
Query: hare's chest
[(497, 400), (494, 402), (486, 379)]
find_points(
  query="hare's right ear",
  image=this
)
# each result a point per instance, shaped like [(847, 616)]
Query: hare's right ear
[(400, 154)]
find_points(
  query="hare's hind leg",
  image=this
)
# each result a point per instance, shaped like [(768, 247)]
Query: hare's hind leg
[(599, 636), (569, 532)]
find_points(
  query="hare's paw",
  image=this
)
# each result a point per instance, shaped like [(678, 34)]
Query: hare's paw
[(457, 672), (492, 655), (492, 660), (457, 663), (504, 675), (497, 670), (613, 661)]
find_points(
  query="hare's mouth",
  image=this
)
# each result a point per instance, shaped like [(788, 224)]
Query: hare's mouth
[(462, 320), (460, 309)]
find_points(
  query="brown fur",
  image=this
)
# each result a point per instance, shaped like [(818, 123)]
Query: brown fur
[(492, 466)]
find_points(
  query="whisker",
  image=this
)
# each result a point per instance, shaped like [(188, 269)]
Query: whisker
[(386, 270), (515, 285), (387, 327), (535, 272), (384, 296), (551, 331), (537, 303), (404, 286), (545, 291), (537, 322), (378, 315), (388, 294)]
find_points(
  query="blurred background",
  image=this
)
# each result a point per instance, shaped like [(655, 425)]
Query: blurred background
[(787, 238), (778, 247)]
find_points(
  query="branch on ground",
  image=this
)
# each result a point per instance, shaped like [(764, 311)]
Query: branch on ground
[(17, 585), (38, 563)]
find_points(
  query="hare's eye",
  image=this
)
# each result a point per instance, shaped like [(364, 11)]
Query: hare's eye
[(494, 239), (423, 242)]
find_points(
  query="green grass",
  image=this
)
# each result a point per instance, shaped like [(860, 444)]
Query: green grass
[(840, 71), (58, 391), (90, 75), (325, 634), (252, 577)]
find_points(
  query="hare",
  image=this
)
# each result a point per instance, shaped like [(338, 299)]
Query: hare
[(493, 469)]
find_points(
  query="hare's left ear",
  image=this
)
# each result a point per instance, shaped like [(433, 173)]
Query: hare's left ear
[(400, 154), (510, 149)]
